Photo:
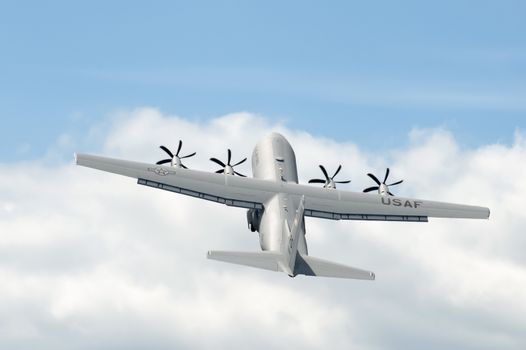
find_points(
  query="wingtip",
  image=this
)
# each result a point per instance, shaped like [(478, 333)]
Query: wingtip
[(75, 157)]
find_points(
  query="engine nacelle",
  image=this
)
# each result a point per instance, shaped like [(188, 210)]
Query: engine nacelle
[(254, 219)]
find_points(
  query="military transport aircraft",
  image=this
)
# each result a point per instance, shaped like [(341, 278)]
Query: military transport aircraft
[(277, 204)]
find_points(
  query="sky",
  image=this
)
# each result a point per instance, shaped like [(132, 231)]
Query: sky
[(89, 260), (358, 71)]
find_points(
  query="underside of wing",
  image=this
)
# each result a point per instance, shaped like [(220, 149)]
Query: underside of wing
[(253, 193), (220, 188), (344, 205)]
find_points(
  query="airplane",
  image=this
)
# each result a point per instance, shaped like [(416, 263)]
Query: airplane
[(277, 204)]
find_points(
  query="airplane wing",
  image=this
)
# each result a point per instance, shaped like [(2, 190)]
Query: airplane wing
[(230, 190), (345, 205), (250, 193), (379, 208)]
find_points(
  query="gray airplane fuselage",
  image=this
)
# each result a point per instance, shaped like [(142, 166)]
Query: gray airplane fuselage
[(274, 159)]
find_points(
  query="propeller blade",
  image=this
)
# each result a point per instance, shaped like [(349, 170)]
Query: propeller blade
[(390, 193), (374, 188), (386, 175), (396, 183), (182, 166), (317, 181), (220, 171), (164, 161), (337, 171), (229, 156), (179, 148), (217, 161), (375, 179), (343, 182), (188, 156), (239, 163), (167, 151), (324, 173), (238, 174)]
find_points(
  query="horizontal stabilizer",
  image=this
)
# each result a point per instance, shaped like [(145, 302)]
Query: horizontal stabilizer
[(262, 260), (310, 266)]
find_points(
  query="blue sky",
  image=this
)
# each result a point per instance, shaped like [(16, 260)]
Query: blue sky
[(363, 72)]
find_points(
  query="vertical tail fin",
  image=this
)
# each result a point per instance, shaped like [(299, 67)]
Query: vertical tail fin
[(292, 247)]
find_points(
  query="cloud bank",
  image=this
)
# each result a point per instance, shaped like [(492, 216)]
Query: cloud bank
[(91, 260)]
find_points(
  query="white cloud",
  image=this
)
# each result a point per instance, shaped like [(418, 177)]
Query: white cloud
[(90, 260)]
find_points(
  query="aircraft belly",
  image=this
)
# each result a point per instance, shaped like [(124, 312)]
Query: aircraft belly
[(274, 159), (270, 229)]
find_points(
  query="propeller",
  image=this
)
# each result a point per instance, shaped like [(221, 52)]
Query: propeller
[(382, 187), (329, 181), (228, 168), (175, 160)]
